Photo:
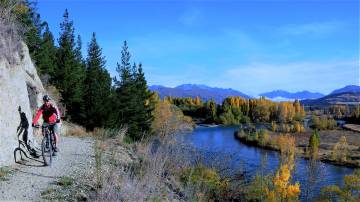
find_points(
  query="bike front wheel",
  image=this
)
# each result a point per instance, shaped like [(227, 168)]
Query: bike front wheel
[(47, 151)]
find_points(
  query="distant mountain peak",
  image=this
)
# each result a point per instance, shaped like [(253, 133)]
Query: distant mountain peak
[(192, 86), (276, 94), (193, 90)]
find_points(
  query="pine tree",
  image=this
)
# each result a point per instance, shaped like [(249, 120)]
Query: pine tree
[(47, 53), (123, 92), (132, 98), (69, 73), (97, 87), (78, 56), (144, 107)]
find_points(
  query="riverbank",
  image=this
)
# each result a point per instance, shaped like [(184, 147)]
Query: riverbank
[(352, 127), (328, 140)]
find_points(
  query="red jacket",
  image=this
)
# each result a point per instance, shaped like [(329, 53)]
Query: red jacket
[(50, 114)]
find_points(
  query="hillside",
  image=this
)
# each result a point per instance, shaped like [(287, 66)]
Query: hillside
[(350, 98), (274, 95), (194, 90), (349, 88)]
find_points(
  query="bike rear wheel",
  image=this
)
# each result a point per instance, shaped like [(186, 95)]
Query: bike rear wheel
[(47, 151)]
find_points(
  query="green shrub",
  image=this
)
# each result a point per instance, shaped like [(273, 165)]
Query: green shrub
[(322, 123), (314, 142), (65, 181), (263, 137), (206, 179)]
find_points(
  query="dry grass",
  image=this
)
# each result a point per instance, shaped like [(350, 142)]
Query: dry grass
[(153, 174), (143, 173), (71, 129)]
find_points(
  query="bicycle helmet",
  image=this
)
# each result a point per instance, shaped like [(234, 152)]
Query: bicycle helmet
[(46, 98)]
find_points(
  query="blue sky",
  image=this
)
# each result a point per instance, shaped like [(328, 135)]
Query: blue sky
[(251, 46)]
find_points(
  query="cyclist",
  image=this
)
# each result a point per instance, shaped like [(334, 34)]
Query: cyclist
[(51, 116)]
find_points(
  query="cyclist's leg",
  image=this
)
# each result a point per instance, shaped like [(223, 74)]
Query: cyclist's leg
[(57, 133)]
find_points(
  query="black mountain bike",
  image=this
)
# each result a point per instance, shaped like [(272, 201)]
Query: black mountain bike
[(48, 143)]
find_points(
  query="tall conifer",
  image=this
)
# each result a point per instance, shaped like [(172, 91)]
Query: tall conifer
[(97, 87), (69, 73)]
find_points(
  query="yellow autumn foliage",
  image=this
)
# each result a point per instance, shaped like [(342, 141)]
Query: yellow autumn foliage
[(283, 190)]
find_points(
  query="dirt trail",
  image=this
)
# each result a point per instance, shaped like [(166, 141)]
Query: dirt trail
[(30, 177)]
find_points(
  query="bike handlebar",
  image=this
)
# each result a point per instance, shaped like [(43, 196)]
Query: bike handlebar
[(44, 126), (36, 126)]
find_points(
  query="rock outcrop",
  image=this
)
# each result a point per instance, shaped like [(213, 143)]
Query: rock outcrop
[(21, 91)]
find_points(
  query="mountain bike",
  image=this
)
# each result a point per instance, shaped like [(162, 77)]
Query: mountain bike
[(47, 143)]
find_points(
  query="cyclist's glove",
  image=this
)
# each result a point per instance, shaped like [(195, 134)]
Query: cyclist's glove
[(33, 125)]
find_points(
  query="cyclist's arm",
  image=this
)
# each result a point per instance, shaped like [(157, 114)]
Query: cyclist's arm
[(56, 112), (38, 114)]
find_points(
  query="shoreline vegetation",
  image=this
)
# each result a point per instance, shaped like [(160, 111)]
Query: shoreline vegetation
[(348, 155)]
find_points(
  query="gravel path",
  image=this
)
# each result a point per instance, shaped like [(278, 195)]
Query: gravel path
[(30, 177)]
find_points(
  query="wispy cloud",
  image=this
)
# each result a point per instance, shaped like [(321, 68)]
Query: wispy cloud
[(191, 17), (312, 29), (315, 76)]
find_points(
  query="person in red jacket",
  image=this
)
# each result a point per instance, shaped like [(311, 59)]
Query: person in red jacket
[(51, 115)]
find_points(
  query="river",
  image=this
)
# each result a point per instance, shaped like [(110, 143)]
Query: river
[(220, 141)]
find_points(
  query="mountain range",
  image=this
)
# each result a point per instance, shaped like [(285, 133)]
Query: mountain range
[(194, 90), (347, 95)]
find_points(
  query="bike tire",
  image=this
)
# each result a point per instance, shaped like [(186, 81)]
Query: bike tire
[(46, 153)]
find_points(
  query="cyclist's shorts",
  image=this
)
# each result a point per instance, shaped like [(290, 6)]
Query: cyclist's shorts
[(57, 128)]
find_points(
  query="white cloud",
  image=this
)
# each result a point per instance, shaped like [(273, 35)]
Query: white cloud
[(323, 77), (312, 29)]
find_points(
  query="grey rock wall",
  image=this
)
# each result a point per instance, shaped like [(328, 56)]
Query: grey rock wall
[(20, 87)]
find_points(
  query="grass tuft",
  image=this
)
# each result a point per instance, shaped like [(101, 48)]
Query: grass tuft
[(65, 181), (5, 172)]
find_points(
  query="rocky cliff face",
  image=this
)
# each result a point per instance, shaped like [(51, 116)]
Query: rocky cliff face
[(20, 94)]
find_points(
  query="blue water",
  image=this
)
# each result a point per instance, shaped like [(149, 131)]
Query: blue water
[(220, 140)]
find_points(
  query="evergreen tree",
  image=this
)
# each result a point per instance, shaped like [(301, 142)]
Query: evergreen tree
[(69, 73), (125, 93), (132, 98), (144, 107), (97, 87), (47, 53), (78, 55)]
